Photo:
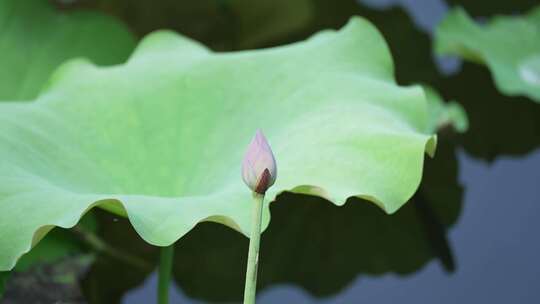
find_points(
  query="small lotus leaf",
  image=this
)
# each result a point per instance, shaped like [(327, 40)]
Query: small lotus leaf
[(508, 45)]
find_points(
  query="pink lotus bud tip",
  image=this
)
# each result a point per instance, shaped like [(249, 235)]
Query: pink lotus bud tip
[(259, 169)]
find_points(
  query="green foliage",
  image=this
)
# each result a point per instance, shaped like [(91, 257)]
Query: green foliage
[(55, 246), (508, 45), (443, 114), (35, 39), (4, 276), (221, 24), (160, 138)]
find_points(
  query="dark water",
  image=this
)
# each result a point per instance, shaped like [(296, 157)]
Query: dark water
[(468, 236)]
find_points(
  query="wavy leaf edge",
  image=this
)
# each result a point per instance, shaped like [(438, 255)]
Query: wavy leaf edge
[(116, 205)]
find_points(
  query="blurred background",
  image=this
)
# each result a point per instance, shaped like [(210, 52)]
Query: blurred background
[(467, 236)]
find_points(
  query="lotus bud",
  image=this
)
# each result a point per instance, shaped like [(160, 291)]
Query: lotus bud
[(259, 166)]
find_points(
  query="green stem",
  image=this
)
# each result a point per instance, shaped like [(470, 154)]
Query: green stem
[(165, 269), (253, 254), (99, 245)]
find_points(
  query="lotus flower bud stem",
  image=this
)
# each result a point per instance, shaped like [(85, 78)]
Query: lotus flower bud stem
[(253, 254), (259, 173)]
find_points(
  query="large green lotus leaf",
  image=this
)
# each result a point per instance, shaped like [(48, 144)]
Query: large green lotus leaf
[(35, 38), (508, 45), (161, 138)]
